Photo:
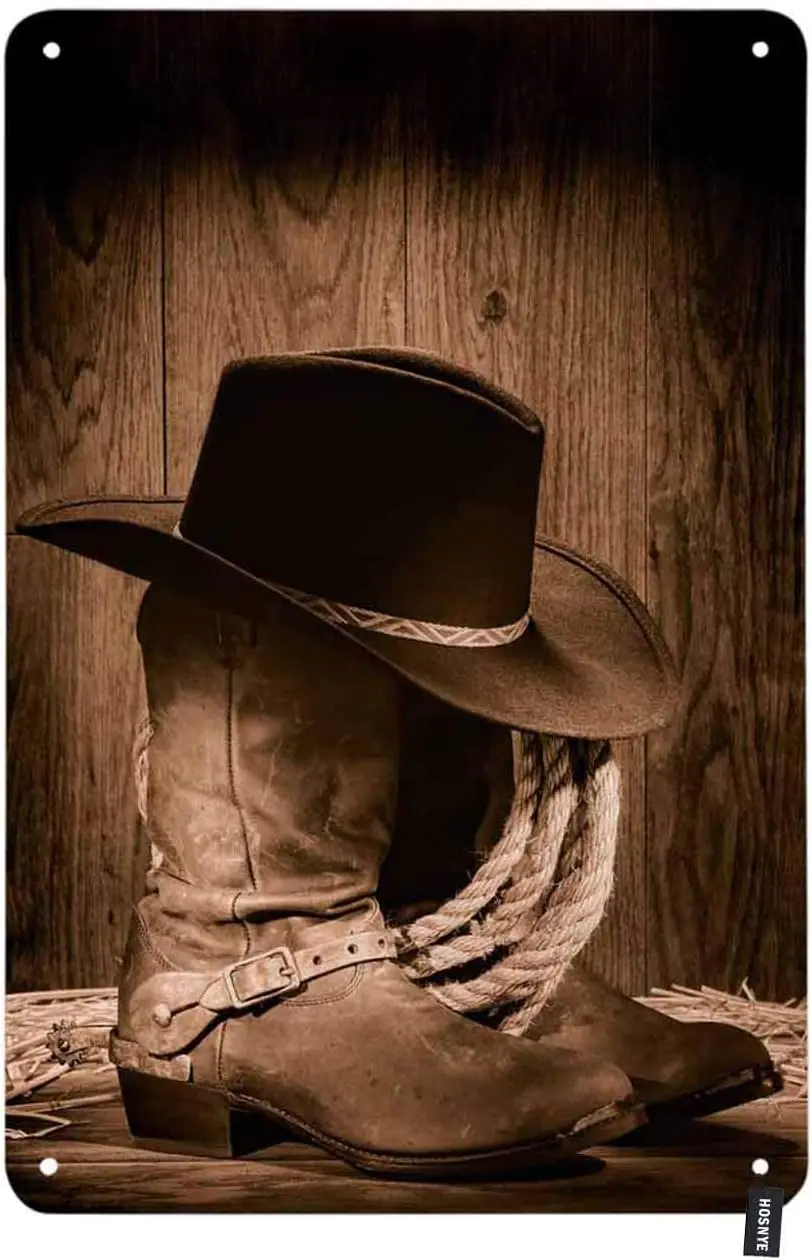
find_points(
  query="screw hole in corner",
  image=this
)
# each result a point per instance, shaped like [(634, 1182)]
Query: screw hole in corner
[(48, 1166), (760, 48), (760, 1167), (51, 50)]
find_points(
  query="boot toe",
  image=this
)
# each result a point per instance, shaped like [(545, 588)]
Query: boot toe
[(702, 1058), (720, 1050), (571, 1088)]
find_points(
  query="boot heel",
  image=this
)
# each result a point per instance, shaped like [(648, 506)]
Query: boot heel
[(185, 1119)]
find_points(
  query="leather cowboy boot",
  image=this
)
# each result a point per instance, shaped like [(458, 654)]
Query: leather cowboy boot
[(259, 994), (458, 783), (678, 1068)]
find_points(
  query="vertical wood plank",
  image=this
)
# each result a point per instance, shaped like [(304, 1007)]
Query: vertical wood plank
[(85, 411), (74, 855), (85, 417), (526, 194), (284, 198), (726, 780)]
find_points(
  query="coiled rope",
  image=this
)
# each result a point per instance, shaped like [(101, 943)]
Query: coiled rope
[(536, 898)]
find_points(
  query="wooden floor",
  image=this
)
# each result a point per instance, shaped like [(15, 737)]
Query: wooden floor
[(704, 1166)]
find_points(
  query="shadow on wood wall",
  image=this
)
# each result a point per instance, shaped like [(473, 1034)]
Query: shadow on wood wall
[(603, 213)]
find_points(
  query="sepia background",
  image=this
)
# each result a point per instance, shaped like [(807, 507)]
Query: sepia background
[(602, 213)]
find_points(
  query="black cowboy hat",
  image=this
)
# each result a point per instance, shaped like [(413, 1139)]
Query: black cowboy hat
[(394, 496)]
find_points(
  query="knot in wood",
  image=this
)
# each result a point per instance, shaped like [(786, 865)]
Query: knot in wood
[(494, 308)]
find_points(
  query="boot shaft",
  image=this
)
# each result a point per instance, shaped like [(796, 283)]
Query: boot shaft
[(273, 769)]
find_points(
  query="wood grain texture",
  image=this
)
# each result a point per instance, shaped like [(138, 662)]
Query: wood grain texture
[(85, 417), (496, 189), (83, 260), (526, 221), (74, 854), (705, 1168), (284, 199), (725, 432)]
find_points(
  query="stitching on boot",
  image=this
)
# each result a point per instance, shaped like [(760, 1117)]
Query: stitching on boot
[(220, 1034), (232, 778), (246, 927), (356, 976), (229, 661), (152, 950)]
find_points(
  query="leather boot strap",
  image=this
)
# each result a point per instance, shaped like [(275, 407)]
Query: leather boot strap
[(171, 1010)]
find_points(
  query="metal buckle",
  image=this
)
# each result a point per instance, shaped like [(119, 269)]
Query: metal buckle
[(288, 974)]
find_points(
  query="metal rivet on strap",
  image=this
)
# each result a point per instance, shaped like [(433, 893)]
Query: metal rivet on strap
[(162, 1015)]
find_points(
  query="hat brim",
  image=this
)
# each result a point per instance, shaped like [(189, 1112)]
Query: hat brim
[(592, 663)]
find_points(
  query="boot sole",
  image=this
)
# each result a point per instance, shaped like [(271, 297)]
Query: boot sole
[(180, 1118), (746, 1085)]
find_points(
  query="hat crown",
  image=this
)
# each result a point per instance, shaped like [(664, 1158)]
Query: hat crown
[(389, 489)]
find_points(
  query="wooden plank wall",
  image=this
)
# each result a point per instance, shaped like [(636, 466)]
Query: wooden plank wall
[(523, 261), (539, 197), (725, 433), (85, 416)]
